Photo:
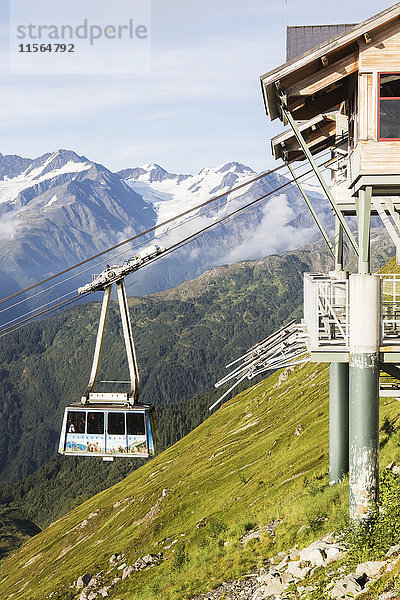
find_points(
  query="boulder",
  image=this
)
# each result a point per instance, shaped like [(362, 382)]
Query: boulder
[(139, 564), (348, 587), (282, 565), (275, 584), (393, 550), (334, 552), (299, 568), (315, 554), (371, 568), (83, 580), (321, 553), (151, 559), (127, 572), (88, 593)]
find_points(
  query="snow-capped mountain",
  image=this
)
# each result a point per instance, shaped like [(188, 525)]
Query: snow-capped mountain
[(60, 208), (279, 223), (172, 194)]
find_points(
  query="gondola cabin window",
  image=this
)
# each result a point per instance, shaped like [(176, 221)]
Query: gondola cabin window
[(389, 106), (116, 423), (95, 422), (76, 422), (135, 422)]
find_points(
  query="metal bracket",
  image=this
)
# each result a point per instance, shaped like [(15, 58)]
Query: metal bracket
[(128, 338), (303, 145)]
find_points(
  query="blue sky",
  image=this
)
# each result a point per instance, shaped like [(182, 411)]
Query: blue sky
[(199, 104)]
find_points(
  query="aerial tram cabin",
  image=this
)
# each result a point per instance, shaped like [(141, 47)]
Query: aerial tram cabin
[(110, 424), (108, 430)]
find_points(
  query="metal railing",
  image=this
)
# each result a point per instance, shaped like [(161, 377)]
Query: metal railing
[(390, 324), (326, 311)]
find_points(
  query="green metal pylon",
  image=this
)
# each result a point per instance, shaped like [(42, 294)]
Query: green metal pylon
[(365, 309)]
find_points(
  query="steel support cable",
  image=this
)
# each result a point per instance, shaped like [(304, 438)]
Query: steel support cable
[(177, 245), (67, 303), (154, 237), (25, 321), (37, 308), (154, 227)]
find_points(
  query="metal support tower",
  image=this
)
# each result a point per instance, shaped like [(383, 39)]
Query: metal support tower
[(133, 395), (338, 390), (338, 421), (365, 302)]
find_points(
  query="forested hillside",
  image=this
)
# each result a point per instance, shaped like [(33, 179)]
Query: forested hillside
[(184, 338)]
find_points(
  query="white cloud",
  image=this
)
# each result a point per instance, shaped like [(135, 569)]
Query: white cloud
[(271, 235), (10, 226)]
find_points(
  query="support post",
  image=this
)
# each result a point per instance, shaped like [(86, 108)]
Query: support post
[(128, 337), (99, 343), (313, 213), (338, 421), (338, 245), (339, 382), (365, 301), (303, 145), (364, 228)]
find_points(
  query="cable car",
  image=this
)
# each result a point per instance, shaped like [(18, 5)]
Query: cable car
[(108, 430), (110, 424)]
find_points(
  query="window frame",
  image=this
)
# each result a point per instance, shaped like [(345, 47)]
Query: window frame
[(385, 139)]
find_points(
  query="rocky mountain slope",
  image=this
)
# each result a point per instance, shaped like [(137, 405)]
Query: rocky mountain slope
[(60, 208), (177, 526)]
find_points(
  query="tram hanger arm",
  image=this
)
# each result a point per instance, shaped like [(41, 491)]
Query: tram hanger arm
[(128, 338)]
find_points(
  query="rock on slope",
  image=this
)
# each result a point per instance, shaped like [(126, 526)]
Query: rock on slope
[(192, 504)]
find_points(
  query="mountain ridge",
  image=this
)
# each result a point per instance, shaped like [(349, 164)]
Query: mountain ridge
[(61, 207)]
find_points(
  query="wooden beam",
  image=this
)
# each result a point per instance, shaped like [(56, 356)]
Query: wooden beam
[(321, 104), (324, 78)]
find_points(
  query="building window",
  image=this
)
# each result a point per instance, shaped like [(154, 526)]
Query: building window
[(389, 106)]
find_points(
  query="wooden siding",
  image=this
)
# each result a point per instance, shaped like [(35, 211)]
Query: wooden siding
[(367, 103), (375, 158), (383, 52)]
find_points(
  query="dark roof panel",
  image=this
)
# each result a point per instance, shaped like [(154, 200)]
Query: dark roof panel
[(301, 38)]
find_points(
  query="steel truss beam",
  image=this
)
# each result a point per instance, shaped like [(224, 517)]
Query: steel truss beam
[(287, 114), (314, 214)]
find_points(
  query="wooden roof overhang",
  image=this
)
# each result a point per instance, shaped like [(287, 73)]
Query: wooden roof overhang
[(318, 80), (319, 133)]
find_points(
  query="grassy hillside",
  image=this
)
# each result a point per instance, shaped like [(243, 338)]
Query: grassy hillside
[(260, 459)]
